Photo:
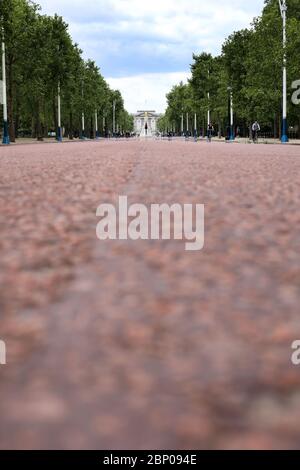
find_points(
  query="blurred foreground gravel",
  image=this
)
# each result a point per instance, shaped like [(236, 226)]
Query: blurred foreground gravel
[(137, 345)]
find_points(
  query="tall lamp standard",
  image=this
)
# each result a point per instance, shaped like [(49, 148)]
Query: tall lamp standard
[(96, 124), (181, 124), (230, 115), (5, 139), (208, 110), (284, 136), (195, 126), (82, 115), (59, 129), (208, 102), (114, 118)]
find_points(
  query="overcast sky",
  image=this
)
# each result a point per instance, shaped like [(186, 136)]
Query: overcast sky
[(143, 47)]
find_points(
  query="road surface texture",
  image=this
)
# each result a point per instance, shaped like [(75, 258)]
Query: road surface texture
[(141, 344)]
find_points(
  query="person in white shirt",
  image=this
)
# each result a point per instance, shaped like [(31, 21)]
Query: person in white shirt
[(255, 131)]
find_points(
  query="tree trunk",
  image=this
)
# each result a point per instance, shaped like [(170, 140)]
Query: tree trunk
[(17, 121), (10, 102), (245, 131), (33, 128), (92, 129), (39, 131), (71, 132), (17, 116), (275, 126)]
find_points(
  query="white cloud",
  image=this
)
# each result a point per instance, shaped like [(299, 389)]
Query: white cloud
[(142, 44), (147, 91), (189, 23)]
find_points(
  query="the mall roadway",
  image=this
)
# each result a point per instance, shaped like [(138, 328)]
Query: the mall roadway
[(137, 345)]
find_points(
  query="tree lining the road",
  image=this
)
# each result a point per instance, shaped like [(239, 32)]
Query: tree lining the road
[(40, 55), (251, 64)]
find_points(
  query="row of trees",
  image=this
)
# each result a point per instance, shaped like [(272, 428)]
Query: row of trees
[(251, 66), (40, 58)]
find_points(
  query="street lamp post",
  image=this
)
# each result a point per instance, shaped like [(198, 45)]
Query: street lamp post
[(5, 139), (195, 126), (208, 102), (208, 111), (181, 125), (59, 129), (230, 115), (284, 134), (82, 115), (114, 118), (187, 123), (96, 124), (82, 126)]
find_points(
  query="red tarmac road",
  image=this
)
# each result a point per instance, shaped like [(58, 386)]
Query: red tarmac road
[(123, 344)]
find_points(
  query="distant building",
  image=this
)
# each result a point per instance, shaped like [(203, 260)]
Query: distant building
[(145, 123)]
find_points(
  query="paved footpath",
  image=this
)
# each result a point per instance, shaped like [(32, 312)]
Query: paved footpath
[(124, 344)]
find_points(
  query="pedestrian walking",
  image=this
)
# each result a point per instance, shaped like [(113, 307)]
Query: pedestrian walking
[(210, 130)]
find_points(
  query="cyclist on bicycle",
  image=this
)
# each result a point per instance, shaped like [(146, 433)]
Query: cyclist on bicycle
[(255, 131)]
